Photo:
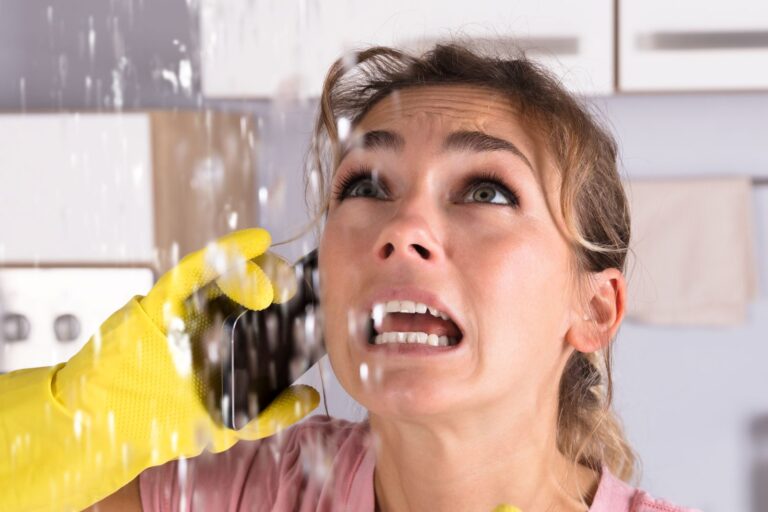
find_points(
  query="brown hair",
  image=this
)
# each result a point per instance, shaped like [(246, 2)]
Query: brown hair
[(592, 199)]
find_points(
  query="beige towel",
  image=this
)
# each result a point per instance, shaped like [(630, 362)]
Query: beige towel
[(694, 257)]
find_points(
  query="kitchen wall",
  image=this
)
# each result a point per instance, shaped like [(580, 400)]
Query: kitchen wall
[(694, 400)]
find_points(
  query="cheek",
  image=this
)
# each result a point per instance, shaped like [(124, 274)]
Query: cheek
[(517, 285)]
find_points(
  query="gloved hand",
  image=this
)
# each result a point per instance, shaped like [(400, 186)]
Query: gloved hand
[(72, 434)]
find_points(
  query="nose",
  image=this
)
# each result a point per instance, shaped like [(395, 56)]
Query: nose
[(409, 236)]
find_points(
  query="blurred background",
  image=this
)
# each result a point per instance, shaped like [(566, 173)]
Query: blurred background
[(133, 132)]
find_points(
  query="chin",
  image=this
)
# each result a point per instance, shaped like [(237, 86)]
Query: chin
[(404, 396)]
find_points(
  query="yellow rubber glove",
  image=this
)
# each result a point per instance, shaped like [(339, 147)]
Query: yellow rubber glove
[(72, 434)]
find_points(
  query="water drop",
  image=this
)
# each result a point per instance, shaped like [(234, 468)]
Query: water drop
[(78, 423), (23, 93), (91, 39), (138, 174), (180, 346), (117, 89), (63, 67), (88, 89), (111, 426), (170, 77), (185, 76), (232, 220), (263, 196), (343, 127), (349, 61)]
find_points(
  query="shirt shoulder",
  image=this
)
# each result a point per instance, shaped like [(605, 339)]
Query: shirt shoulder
[(312, 466), (615, 495)]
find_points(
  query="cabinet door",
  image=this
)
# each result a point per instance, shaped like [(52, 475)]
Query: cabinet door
[(75, 188), (47, 314), (670, 45), (262, 48)]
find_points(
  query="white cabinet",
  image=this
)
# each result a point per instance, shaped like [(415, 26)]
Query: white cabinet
[(76, 188), (47, 314), (262, 48), (675, 45)]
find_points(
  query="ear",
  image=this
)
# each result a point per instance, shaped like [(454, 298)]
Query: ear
[(606, 299)]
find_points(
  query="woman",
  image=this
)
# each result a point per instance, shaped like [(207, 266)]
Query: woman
[(475, 234), (482, 190)]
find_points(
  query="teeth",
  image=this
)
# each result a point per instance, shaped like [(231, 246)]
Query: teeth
[(404, 306), (414, 337)]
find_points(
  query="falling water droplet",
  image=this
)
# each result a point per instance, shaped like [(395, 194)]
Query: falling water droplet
[(88, 89), (263, 196), (182, 470), (63, 68), (349, 61), (185, 76), (78, 423), (364, 372), (111, 426), (169, 76), (232, 220), (343, 126), (91, 39), (117, 89), (23, 93), (96, 344), (174, 253), (180, 346)]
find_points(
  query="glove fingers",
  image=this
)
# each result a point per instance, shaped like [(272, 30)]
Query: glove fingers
[(227, 254), (250, 286), (281, 274), (289, 407)]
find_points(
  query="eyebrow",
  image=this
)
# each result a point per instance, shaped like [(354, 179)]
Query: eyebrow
[(471, 141), (478, 142), (375, 139)]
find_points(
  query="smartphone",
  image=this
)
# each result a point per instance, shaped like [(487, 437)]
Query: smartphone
[(250, 357)]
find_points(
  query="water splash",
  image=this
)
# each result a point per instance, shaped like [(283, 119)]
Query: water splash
[(232, 220), (23, 93), (117, 89), (91, 40), (180, 346), (170, 77), (88, 89), (185, 76), (342, 127)]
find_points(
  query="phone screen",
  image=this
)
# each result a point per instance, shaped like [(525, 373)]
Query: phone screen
[(264, 352)]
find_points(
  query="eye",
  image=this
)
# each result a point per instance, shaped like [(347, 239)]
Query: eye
[(361, 183), (491, 190)]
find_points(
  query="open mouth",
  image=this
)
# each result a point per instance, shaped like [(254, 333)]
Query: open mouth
[(411, 322)]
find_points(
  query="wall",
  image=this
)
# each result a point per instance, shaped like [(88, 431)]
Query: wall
[(693, 400)]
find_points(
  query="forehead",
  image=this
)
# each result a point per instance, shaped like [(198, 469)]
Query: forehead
[(455, 107)]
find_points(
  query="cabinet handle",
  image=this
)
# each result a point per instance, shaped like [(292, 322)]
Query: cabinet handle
[(15, 327), (66, 327), (558, 45), (710, 40)]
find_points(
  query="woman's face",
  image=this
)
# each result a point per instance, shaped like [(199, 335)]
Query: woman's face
[(435, 202)]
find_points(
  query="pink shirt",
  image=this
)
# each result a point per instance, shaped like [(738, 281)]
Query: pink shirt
[(322, 464)]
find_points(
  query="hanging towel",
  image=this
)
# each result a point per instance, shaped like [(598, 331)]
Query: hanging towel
[(692, 259)]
